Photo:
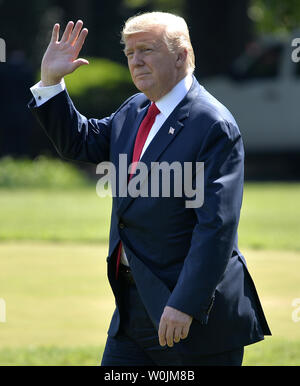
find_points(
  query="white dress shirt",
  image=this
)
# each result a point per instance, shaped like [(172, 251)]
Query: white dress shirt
[(42, 94), (165, 105)]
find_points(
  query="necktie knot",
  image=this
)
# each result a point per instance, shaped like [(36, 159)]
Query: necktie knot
[(153, 110)]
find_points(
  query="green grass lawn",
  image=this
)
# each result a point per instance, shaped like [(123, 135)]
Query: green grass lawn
[(53, 273), (49, 215), (59, 304), (269, 217)]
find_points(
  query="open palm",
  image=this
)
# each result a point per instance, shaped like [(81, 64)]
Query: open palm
[(61, 57)]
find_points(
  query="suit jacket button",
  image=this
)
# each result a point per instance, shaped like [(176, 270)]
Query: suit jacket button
[(121, 225)]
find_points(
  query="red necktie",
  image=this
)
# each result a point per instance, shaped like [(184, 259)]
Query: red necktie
[(140, 140)]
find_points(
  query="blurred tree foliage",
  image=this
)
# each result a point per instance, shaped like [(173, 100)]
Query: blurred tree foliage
[(100, 88), (41, 173), (219, 30), (26, 26), (275, 16)]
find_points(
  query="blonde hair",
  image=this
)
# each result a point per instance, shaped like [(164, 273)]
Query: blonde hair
[(176, 32)]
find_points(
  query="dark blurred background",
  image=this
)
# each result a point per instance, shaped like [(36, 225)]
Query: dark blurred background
[(243, 54)]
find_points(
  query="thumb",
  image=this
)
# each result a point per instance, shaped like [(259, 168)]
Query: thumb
[(79, 62)]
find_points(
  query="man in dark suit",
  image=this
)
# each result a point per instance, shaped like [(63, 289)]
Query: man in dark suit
[(183, 293)]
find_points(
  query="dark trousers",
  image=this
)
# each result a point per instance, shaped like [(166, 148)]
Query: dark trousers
[(136, 343)]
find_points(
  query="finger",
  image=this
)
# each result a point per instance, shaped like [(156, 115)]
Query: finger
[(162, 333), (80, 41), (170, 336), (75, 32), (185, 331), (55, 33), (67, 32), (177, 334)]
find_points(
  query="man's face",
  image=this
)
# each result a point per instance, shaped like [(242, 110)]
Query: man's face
[(154, 69)]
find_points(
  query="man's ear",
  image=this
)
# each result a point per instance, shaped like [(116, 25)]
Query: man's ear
[(181, 57)]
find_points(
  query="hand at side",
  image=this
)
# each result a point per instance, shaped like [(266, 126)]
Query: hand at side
[(174, 325)]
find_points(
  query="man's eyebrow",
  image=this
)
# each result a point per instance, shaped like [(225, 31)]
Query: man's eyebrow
[(141, 45)]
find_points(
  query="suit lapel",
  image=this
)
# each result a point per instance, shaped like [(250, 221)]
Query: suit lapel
[(126, 144), (166, 134)]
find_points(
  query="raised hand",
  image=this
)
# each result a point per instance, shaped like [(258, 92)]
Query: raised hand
[(61, 57)]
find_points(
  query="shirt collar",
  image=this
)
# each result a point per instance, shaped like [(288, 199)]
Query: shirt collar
[(169, 101)]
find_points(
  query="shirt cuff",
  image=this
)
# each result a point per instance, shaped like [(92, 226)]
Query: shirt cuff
[(42, 94)]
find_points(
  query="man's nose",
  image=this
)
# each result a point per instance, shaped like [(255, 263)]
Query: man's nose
[(137, 59)]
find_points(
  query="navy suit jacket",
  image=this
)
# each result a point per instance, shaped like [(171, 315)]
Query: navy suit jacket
[(187, 258)]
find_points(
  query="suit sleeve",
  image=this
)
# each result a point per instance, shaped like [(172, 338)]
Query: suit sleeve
[(217, 221), (73, 135)]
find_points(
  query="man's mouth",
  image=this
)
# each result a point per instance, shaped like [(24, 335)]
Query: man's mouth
[(139, 75)]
